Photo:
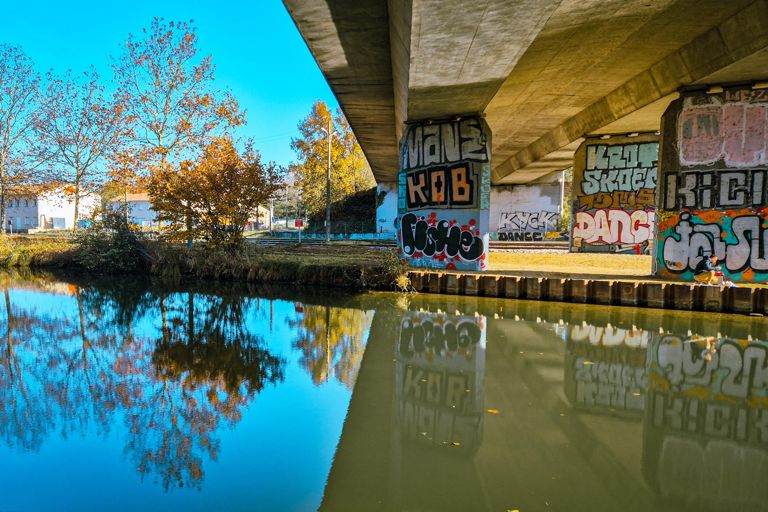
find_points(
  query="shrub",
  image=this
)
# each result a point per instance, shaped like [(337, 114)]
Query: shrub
[(110, 245)]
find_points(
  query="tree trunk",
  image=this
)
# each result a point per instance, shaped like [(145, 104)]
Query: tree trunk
[(2, 209), (77, 204)]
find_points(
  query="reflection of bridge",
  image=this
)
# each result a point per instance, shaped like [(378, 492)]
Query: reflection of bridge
[(545, 72)]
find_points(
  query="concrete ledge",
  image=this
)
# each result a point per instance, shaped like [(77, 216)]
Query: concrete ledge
[(652, 294)]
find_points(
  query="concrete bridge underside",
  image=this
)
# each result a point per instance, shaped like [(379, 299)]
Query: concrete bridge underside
[(545, 72)]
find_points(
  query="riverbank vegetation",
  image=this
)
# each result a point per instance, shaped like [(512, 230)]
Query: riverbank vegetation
[(107, 251)]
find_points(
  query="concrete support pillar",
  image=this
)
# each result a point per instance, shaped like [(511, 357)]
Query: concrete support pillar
[(614, 194), (444, 187), (714, 178), (386, 208)]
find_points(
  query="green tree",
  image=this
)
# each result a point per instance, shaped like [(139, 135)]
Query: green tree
[(350, 172)]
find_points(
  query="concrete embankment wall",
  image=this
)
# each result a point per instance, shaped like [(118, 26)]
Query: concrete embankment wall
[(650, 294)]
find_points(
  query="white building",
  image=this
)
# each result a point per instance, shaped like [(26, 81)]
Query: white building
[(140, 210), (46, 208)]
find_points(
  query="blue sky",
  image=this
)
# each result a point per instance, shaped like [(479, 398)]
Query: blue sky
[(258, 52)]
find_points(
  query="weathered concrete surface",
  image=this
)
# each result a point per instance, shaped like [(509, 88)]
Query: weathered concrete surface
[(545, 72), (613, 292)]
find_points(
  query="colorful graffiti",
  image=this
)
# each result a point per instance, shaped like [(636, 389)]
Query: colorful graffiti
[(615, 230), (739, 239), (439, 379), (615, 195), (444, 188), (440, 240), (713, 198), (731, 128)]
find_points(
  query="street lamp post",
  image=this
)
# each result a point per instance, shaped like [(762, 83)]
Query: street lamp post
[(329, 134)]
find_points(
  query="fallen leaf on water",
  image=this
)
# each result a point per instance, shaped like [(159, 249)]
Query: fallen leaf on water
[(588, 362), (492, 411), (636, 394)]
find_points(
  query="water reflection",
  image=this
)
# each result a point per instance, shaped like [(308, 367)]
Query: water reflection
[(563, 408), (454, 403), (439, 380), (171, 367), (706, 427), (331, 341)]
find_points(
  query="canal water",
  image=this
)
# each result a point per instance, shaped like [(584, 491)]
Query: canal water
[(124, 395)]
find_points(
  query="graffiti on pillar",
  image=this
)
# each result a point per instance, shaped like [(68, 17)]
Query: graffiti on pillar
[(739, 239), (528, 226), (731, 128), (444, 193), (614, 208), (439, 380), (706, 427), (713, 185)]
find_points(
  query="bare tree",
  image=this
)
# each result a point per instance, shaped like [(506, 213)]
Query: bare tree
[(77, 130), (19, 90)]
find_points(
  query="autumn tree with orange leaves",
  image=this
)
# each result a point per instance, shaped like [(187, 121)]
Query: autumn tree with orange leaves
[(166, 91), (350, 172), (211, 198), (77, 130)]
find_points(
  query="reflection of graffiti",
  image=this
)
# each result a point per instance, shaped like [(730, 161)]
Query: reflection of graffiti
[(681, 365), (444, 188), (440, 362), (615, 195), (732, 128), (432, 240), (716, 142), (528, 221), (617, 230), (738, 238), (605, 367), (706, 427)]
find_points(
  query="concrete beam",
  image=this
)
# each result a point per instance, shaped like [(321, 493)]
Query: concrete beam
[(349, 39), (734, 50)]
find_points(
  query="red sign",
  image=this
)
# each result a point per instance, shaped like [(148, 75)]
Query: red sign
[(298, 223)]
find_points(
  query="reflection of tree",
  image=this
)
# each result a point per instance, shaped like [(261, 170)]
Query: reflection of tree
[(196, 376), (173, 392), (24, 411), (331, 340)]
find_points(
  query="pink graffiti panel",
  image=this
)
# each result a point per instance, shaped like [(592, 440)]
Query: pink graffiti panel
[(736, 133), (744, 135)]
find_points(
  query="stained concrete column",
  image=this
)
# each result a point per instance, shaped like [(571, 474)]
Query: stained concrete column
[(444, 186), (714, 171), (614, 194)]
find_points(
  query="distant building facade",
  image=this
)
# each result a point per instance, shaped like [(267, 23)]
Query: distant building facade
[(140, 210), (49, 208)]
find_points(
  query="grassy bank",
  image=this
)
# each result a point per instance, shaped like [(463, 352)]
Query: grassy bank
[(37, 252), (344, 266), (339, 266)]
